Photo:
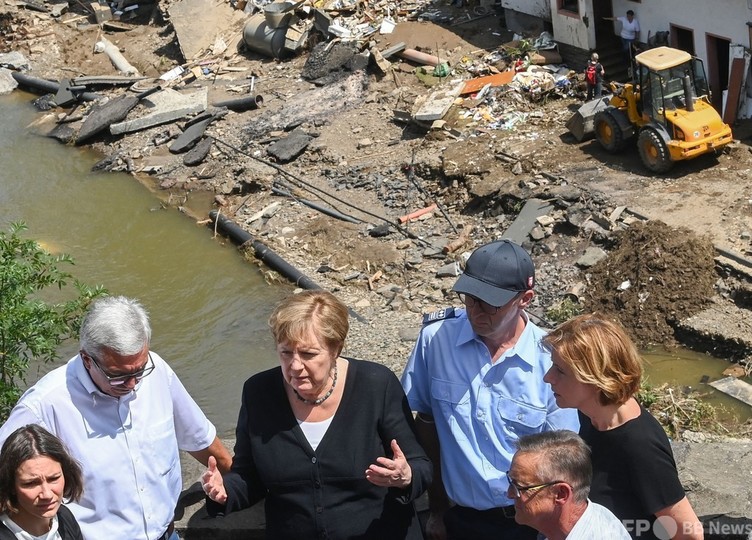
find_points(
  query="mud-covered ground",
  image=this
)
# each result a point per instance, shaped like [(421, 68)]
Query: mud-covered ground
[(362, 162)]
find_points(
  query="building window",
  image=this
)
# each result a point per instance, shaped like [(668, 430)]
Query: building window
[(569, 5)]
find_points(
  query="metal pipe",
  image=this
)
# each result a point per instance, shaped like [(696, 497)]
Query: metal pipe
[(48, 87), (242, 104)]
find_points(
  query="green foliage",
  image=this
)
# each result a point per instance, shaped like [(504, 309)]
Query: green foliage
[(647, 395), (564, 310), (30, 326), (678, 410)]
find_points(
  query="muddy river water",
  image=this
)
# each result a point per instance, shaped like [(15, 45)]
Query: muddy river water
[(208, 306)]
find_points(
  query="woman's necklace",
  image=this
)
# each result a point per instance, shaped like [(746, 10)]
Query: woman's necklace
[(323, 398)]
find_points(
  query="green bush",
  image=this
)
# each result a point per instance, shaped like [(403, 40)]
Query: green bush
[(30, 325)]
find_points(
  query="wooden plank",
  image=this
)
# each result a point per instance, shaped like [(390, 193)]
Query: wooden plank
[(735, 388), (734, 90), (498, 79)]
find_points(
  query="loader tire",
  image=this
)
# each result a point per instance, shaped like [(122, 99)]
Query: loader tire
[(608, 133), (653, 151)]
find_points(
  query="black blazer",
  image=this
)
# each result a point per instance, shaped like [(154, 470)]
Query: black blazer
[(67, 527)]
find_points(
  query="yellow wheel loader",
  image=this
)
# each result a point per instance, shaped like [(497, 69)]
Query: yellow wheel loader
[(667, 107)]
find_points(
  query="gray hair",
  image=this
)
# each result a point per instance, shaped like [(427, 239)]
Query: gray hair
[(566, 458), (116, 323), (594, 57)]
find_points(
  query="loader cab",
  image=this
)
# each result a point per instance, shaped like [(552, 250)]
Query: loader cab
[(669, 80)]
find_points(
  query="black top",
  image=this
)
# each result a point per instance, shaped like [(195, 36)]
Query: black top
[(67, 526), (634, 472), (324, 493)]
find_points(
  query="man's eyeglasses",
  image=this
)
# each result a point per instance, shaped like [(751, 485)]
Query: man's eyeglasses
[(517, 490), (469, 300), (119, 380)]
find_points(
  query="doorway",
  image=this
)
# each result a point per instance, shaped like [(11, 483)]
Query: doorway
[(604, 30), (718, 49), (682, 38)]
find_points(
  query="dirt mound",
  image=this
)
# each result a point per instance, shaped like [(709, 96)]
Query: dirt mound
[(654, 276)]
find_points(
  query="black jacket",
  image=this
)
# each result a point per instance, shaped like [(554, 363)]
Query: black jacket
[(324, 493), (67, 527)]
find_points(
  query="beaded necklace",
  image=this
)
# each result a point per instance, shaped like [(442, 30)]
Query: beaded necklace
[(323, 398)]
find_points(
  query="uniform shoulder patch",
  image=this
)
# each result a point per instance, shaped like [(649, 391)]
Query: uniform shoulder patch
[(440, 315)]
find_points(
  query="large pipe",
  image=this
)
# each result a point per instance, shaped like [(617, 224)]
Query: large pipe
[(48, 87), (420, 57), (242, 104), (315, 206), (262, 252), (269, 257), (116, 57), (261, 38)]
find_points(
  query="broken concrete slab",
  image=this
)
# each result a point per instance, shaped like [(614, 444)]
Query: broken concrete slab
[(722, 329), (14, 60), (198, 23), (525, 221), (438, 103), (7, 82), (591, 257), (64, 133), (190, 136), (105, 114), (198, 153), (735, 388), (290, 147), (166, 106)]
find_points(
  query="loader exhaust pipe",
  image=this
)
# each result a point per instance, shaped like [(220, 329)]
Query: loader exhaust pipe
[(689, 95)]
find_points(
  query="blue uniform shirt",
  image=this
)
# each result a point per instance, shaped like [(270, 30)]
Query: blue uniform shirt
[(480, 408)]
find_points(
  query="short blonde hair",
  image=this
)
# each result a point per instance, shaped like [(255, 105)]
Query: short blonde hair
[(600, 353), (594, 57), (319, 310)]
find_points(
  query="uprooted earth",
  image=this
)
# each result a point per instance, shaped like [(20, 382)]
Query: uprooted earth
[(332, 170)]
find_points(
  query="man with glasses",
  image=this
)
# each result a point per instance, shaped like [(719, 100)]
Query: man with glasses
[(549, 481), (475, 378), (123, 414)]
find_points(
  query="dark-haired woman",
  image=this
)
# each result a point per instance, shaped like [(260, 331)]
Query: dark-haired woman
[(36, 475)]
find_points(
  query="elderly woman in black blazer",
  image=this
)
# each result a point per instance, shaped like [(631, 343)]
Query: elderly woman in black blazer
[(327, 441), (36, 474)]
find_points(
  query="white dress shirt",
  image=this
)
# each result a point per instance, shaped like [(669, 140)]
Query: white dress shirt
[(127, 447)]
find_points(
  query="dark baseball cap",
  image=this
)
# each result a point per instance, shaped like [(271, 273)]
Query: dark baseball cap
[(496, 273)]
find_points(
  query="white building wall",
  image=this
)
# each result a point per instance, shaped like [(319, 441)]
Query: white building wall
[(571, 29), (536, 8), (722, 18)]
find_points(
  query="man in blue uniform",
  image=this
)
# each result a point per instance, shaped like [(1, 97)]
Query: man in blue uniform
[(475, 378)]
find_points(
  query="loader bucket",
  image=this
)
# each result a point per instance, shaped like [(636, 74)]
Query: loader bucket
[(581, 123)]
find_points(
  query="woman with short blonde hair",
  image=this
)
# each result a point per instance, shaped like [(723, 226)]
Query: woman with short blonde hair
[(597, 370)]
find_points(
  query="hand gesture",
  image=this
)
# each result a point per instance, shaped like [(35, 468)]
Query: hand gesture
[(395, 472), (212, 482)]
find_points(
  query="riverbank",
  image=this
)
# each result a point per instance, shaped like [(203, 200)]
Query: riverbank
[(340, 141)]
